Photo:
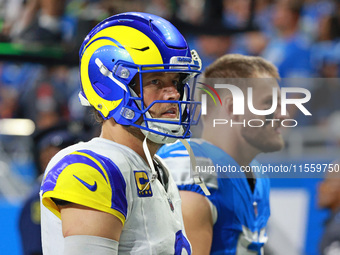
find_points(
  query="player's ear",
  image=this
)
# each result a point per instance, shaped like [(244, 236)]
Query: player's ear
[(227, 103)]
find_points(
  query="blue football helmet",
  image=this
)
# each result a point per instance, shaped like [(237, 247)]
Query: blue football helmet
[(130, 44)]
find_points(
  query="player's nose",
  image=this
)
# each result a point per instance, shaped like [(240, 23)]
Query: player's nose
[(170, 92)]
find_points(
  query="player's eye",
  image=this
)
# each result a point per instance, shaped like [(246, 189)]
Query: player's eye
[(155, 81), (176, 82)]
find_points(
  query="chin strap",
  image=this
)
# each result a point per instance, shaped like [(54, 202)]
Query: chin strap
[(150, 162), (197, 179)]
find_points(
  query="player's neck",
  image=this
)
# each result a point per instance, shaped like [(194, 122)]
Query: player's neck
[(233, 145), (242, 151), (242, 155), (130, 137)]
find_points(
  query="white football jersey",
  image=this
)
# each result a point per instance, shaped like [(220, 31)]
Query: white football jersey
[(110, 177)]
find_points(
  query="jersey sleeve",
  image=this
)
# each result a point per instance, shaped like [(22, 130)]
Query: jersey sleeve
[(86, 178)]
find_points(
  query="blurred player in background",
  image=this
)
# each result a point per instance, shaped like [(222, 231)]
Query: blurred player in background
[(47, 142), (111, 195), (329, 198), (232, 220)]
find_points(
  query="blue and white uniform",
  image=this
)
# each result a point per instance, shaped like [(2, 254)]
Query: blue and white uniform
[(112, 178), (239, 215)]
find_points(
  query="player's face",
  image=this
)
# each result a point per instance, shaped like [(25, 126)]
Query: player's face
[(267, 138), (161, 86)]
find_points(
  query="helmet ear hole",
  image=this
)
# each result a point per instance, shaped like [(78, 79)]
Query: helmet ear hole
[(113, 60), (101, 89)]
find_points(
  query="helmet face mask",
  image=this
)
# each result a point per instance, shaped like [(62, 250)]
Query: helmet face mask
[(116, 55), (165, 130)]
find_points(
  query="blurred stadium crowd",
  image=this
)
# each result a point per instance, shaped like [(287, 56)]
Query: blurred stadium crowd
[(302, 38)]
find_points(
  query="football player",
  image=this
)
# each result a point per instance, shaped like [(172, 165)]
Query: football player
[(111, 195), (233, 218)]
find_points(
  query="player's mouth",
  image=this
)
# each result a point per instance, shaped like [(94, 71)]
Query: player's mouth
[(170, 113)]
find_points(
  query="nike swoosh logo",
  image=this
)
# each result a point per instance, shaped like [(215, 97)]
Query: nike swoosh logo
[(142, 49), (89, 186)]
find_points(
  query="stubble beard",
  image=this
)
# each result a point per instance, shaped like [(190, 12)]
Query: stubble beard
[(262, 142)]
